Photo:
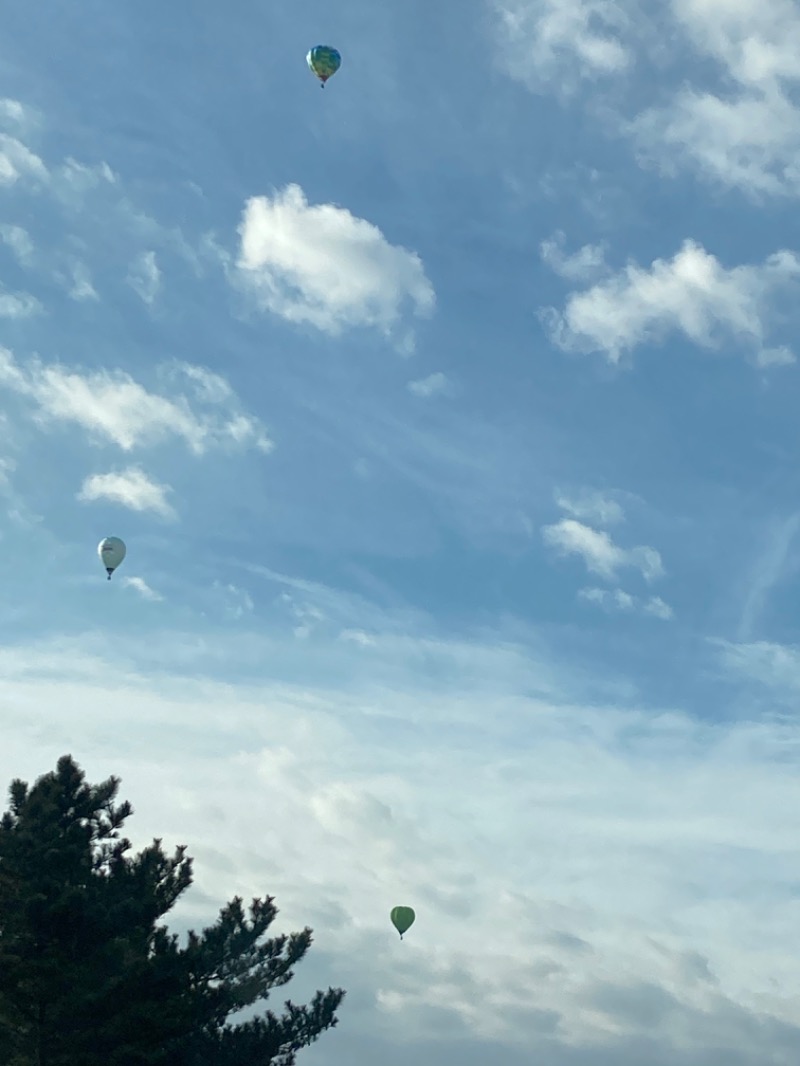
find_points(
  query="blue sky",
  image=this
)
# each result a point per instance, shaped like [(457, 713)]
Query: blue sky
[(449, 417)]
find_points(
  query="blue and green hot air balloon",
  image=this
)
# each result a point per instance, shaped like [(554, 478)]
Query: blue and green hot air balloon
[(324, 61)]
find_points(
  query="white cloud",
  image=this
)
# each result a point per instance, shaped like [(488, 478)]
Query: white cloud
[(664, 922), (562, 41), (751, 142), (236, 602), (132, 488), (74, 275), (13, 112), (742, 133), (210, 387), (692, 293), (81, 178), (614, 598), (114, 407), (777, 666), (357, 636), (619, 600), (140, 585), (18, 305), (19, 241), (433, 385), (307, 616), (599, 552), (18, 162), (322, 265), (592, 507), (144, 277), (584, 265), (80, 285), (747, 135), (658, 608)]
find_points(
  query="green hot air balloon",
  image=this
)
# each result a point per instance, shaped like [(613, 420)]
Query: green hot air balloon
[(402, 919), (324, 61)]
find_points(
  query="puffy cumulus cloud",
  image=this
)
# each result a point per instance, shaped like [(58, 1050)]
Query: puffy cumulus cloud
[(591, 506), (746, 135), (433, 385), (657, 930), (742, 132), (321, 265), (132, 488), (144, 277), (138, 584), (584, 265), (691, 293), (111, 406), (620, 600), (751, 142), (562, 41), (599, 552)]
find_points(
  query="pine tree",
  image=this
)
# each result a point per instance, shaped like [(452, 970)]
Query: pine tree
[(88, 975)]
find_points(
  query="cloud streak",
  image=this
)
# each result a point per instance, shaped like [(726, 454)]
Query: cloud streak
[(599, 552)]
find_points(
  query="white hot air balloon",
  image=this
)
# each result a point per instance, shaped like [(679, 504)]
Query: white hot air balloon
[(111, 551)]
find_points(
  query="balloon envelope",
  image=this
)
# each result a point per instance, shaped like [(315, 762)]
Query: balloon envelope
[(111, 551), (402, 919), (324, 61)]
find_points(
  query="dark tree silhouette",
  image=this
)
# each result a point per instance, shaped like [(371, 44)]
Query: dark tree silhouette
[(88, 976)]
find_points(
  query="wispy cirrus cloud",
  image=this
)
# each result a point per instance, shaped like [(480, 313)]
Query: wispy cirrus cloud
[(19, 241), (576, 946), (19, 163), (586, 264), (113, 407), (139, 585), (620, 600), (599, 552), (144, 277), (591, 506), (556, 44), (692, 293), (19, 305), (319, 264), (69, 271), (433, 385), (132, 488)]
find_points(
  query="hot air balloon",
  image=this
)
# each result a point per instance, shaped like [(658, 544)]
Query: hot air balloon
[(112, 551), (402, 919), (324, 61)]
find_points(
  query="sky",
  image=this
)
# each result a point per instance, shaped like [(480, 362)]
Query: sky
[(449, 416)]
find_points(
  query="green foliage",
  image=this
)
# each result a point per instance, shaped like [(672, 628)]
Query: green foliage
[(88, 976)]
